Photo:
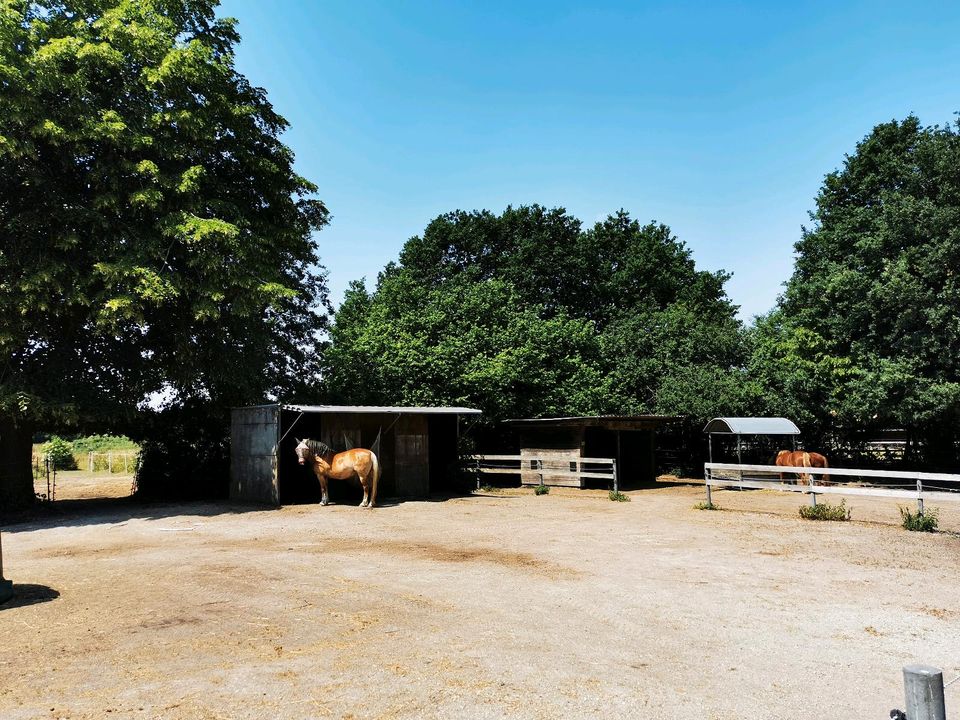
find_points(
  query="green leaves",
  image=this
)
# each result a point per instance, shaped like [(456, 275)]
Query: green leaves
[(525, 314), (152, 230), (868, 332)]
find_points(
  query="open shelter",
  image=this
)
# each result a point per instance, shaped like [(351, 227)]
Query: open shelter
[(628, 439), (740, 426), (417, 448)]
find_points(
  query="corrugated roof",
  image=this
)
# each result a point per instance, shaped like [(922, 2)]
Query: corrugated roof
[(596, 419), (382, 409), (752, 426)]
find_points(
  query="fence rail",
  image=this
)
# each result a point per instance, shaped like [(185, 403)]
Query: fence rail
[(767, 477), (543, 469)]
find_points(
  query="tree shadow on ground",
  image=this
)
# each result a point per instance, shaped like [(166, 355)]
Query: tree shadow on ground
[(29, 594), (101, 511)]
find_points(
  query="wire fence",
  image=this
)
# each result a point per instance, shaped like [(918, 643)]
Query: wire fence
[(110, 461)]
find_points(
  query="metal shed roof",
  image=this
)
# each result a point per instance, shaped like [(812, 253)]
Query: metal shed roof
[(596, 420), (751, 426), (347, 409)]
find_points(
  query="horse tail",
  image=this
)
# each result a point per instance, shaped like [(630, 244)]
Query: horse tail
[(376, 477), (825, 466)]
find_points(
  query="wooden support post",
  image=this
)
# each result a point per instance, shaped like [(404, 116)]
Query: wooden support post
[(923, 693), (616, 486), (6, 586), (707, 480), (920, 497), (813, 495)]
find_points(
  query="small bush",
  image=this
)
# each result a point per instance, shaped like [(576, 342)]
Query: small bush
[(825, 511), (619, 497), (541, 489), (60, 453), (706, 506), (920, 521)]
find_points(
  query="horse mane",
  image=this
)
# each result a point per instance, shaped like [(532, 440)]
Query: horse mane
[(318, 448)]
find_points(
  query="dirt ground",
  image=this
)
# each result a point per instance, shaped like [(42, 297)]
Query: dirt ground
[(83, 485), (489, 606)]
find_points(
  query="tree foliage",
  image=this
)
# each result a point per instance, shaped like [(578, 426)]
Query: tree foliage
[(153, 233), (527, 314), (867, 333)]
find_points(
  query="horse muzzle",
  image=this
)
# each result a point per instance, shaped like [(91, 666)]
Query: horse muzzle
[(300, 460)]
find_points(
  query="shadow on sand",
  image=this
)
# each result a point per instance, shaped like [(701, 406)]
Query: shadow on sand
[(28, 594), (100, 511)]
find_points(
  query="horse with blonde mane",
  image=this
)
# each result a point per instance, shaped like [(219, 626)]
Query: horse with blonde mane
[(802, 458), (341, 466)]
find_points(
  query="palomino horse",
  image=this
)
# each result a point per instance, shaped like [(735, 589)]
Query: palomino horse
[(341, 466), (801, 458)]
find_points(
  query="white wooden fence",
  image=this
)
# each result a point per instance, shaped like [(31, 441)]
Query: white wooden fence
[(544, 469), (917, 486)]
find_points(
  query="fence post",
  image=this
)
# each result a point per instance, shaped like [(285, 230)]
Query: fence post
[(923, 692), (6, 586), (90, 461), (920, 497), (706, 480), (813, 495), (616, 487)]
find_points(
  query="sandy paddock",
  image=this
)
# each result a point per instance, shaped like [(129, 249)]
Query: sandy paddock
[(491, 606)]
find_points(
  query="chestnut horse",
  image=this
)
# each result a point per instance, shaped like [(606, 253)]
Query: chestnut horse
[(341, 466), (801, 458)]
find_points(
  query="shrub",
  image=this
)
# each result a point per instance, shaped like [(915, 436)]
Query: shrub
[(825, 511), (706, 506), (619, 497), (541, 489), (103, 443), (187, 456), (60, 453), (920, 521)]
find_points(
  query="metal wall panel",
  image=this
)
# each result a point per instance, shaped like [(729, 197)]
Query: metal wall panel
[(254, 434)]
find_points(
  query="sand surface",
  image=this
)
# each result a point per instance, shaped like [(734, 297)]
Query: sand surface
[(489, 606)]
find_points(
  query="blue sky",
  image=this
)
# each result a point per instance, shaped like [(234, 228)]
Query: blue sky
[(719, 119)]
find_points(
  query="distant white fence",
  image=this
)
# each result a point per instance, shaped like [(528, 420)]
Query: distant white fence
[(917, 486), (562, 471)]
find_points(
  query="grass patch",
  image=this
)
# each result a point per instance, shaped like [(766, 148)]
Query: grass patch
[(619, 497), (826, 511), (920, 521), (487, 487), (541, 489), (706, 506)]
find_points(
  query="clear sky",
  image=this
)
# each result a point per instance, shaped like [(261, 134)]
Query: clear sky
[(719, 119)]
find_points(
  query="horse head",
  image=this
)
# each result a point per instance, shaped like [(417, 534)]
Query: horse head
[(303, 451)]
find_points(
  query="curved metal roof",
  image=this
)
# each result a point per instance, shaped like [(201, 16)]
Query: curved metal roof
[(752, 426)]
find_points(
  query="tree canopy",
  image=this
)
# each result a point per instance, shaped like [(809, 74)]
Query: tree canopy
[(527, 314), (866, 335), (153, 232)]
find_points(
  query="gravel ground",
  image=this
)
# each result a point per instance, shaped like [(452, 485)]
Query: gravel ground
[(489, 606)]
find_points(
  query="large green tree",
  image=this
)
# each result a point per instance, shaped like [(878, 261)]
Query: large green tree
[(527, 314), (867, 332), (153, 233)]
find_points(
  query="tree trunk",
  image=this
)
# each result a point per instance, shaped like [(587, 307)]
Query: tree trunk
[(16, 473)]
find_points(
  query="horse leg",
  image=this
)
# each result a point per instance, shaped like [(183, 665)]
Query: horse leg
[(324, 498), (365, 483)]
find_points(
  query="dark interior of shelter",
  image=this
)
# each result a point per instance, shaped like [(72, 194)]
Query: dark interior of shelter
[(417, 453)]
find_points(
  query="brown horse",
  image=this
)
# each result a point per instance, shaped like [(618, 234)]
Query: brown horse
[(341, 466), (801, 458)]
